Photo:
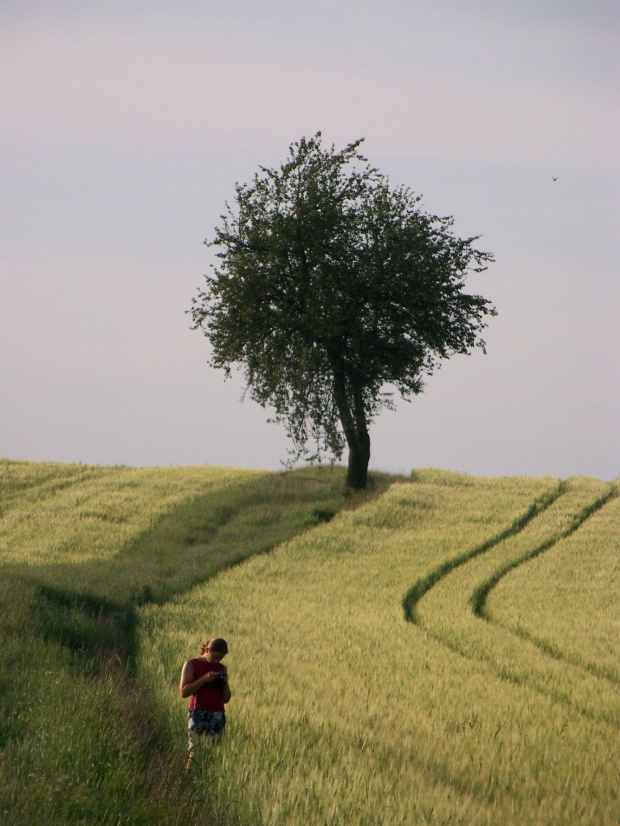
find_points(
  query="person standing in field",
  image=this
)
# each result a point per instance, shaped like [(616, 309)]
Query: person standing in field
[(205, 681)]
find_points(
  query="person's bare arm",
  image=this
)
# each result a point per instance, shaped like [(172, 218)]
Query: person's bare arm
[(226, 690), (189, 685)]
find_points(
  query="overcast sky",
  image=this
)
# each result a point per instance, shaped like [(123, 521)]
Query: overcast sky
[(125, 126)]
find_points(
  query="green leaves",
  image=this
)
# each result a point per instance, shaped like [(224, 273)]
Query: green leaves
[(331, 285)]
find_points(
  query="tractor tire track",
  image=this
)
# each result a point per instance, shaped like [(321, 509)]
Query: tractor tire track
[(482, 592), (420, 588), (444, 604)]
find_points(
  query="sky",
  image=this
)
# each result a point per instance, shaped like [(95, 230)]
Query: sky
[(125, 126)]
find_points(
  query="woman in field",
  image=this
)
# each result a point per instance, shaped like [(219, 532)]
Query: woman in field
[(205, 680)]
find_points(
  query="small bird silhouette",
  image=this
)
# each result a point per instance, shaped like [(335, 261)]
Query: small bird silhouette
[(553, 179)]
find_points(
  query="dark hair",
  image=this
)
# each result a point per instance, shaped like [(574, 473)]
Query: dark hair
[(217, 644)]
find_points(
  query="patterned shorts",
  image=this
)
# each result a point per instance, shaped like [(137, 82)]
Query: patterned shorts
[(200, 723)]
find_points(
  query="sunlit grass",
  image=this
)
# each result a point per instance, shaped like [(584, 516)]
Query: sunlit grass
[(568, 599), (54, 513), (79, 740), (448, 610), (445, 654), (344, 713)]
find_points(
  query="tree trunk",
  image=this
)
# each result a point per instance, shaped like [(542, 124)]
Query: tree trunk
[(350, 405), (359, 457)]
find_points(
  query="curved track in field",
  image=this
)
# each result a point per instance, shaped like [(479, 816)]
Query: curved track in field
[(423, 586), (450, 604), (479, 599)]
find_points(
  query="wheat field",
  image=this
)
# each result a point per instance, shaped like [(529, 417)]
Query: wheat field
[(441, 651), (386, 667)]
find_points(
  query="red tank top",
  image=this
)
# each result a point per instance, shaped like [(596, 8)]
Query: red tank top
[(209, 697)]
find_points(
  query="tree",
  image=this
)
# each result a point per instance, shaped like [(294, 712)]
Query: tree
[(333, 291)]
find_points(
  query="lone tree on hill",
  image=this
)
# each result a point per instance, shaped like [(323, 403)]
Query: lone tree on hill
[(334, 288)]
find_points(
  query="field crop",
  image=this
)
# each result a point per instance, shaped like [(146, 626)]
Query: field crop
[(445, 654), (386, 669), (82, 548), (53, 513), (577, 582)]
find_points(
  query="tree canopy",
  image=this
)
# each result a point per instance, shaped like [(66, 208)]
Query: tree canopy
[(333, 291)]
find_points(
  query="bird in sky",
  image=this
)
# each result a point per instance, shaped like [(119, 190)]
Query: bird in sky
[(553, 179)]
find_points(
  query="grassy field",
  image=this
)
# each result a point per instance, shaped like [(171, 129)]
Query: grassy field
[(446, 652), (55, 513), (586, 620), (82, 548), (344, 712)]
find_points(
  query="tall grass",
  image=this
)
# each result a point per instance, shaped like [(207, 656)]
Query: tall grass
[(446, 654), (58, 514), (83, 547), (577, 582), (451, 611), (343, 712)]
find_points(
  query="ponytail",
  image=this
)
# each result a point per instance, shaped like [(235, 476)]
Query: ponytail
[(215, 642)]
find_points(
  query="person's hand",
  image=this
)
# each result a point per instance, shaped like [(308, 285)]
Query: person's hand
[(212, 676)]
